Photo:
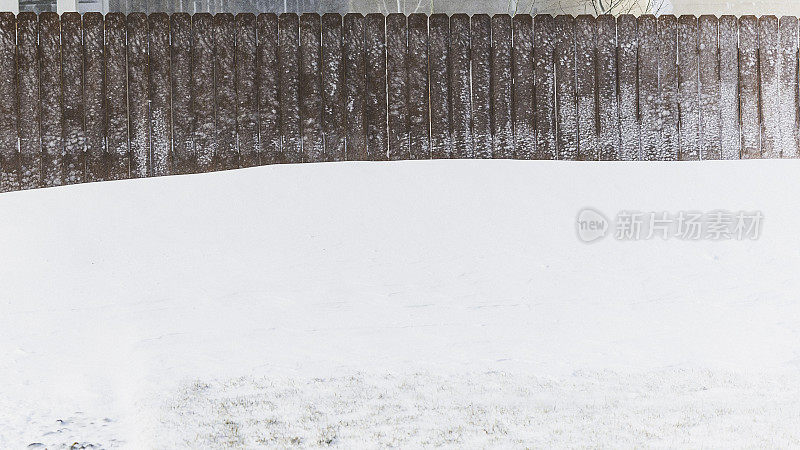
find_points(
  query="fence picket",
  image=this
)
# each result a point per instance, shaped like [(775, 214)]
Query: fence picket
[(397, 85), (226, 156), (160, 95), (246, 93), (73, 162), (460, 116), (183, 156), (566, 106), (748, 87), (649, 107), (438, 49), (289, 85), (418, 122), (375, 36), (502, 100), (93, 96), (769, 84), (9, 154), (356, 83), (267, 79), (586, 68), (668, 87), (481, 53), (311, 87), (118, 159), (50, 97), (544, 88), (688, 88), (522, 74), (728, 98), (607, 103), (788, 87), (138, 95), (710, 137), (333, 88)]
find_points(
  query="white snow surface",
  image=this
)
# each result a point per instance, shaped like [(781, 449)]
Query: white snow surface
[(411, 304)]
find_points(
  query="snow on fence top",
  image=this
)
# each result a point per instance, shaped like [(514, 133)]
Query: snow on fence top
[(93, 97)]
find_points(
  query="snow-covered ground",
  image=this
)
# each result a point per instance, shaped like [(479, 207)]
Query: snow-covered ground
[(409, 303)]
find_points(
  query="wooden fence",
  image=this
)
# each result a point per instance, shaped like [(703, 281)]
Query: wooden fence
[(93, 97)]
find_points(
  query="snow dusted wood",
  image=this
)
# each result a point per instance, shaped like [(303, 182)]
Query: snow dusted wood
[(30, 161), (769, 68), (460, 118), (441, 146), (203, 90), (9, 154), (246, 93), (566, 106), (50, 95), (418, 123), (502, 99), (710, 137), (669, 142), (728, 95), (688, 88), (311, 87), (628, 95), (333, 88), (160, 98), (226, 155), (289, 85), (397, 85), (788, 87), (585, 63), (118, 160), (138, 95), (481, 53), (545, 87), (183, 157), (93, 95), (72, 91), (269, 123), (649, 108), (607, 104), (748, 87), (356, 82), (522, 73), (375, 36)]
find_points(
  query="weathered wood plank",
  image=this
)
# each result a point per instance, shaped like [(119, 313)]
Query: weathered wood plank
[(397, 79), (30, 150), (289, 95), (311, 87), (566, 106), (418, 123), (93, 97), (246, 93), (138, 95), (160, 95), (649, 108), (118, 159), (203, 90), (522, 73), (226, 155), (356, 82), (73, 164), (668, 87), (710, 137), (481, 57), (545, 87), (376, 108), (333, 88), (184, 159), (748, 87), (269, 121), (501, 85), (460, 108), (788, 87), (688, 88), (769, 66), (9, 154), (441, 145), (586, 84), (51, 99), (607, 103), (728, 95)]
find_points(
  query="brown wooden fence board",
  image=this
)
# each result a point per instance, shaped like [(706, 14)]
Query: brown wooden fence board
[(649, 104), (438, 50), (50, 95), (160, 95), (502, 100), (311, 87), (93, 96), (226, 155), (9, 155), (728, 94), (118, 160), (138, 95), (460, 109), (333, 88), (544, 88), (669, 142), (522, 73), (269, 121), (183, 156), (566, 107), (586, 68), (788, 86), (375, 37), (397, 85), (481, 53), (769, 86), (246, 92), (356, 83), (418, 119), (748, 87), (30, 160), (628, 95), (688, 88), (607, 103), (72, 91), (710, 137), (289, 88)]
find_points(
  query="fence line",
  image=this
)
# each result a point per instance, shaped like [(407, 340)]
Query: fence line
[(93, 97)]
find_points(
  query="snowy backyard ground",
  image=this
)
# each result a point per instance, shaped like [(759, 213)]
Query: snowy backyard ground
[(410, 304)]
